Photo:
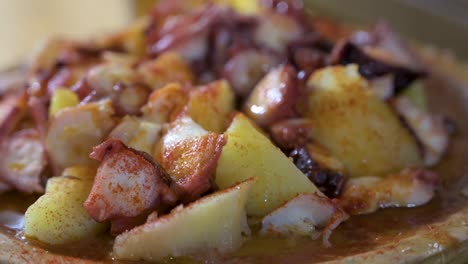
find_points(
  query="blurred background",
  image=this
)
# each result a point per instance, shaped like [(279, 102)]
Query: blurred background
[(23, 23)]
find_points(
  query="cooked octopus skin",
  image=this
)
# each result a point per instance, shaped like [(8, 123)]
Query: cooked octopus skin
[(190, 154), (23, 159), (291, 133), (12, 108), (246, 68), (409, 188), (328, 181), (431, 131), (128, 184), (305, 214), (346, 52), (275, 97)]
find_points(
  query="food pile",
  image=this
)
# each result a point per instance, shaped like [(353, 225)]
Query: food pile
[(201, 125)]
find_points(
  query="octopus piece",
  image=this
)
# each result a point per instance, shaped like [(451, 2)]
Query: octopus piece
[(118, 82), (275, 97), (383, 86), (137, 134), (275, 31), (129, 99), (291, 133), (305, 215), (320, 167), (23, 160), (382, 41), (190, 154), (409, 188), (12, 108), (39, 113), (65, 77), (231, 34), (310, 52), (103, 77), (60, 62), (128, 184), (186, 34), (75, 130), (246, 68), (430, 130), (374, 65)]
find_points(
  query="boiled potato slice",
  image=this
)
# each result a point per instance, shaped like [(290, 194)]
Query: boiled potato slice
[(248, 153), (210, 105), (215, 222), (58, 216), (356, 127), (62, 98)]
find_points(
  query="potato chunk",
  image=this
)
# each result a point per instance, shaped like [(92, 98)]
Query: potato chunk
[(357, 127), (210, 105), (58, 216), (62, 98), (248, 154), (215, 222)]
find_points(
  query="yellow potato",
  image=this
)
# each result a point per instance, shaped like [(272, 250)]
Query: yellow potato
[(210, 105), (58, 216), (242, 6), (248, 153), (357, 127), (215, 222), (62, 98)]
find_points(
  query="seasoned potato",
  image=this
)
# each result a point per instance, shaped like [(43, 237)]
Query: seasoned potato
[(210, 105), (248, 154), (166, 68), (58, 216), (74, 131), (62, 98), (215, 222), (356, 127)]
